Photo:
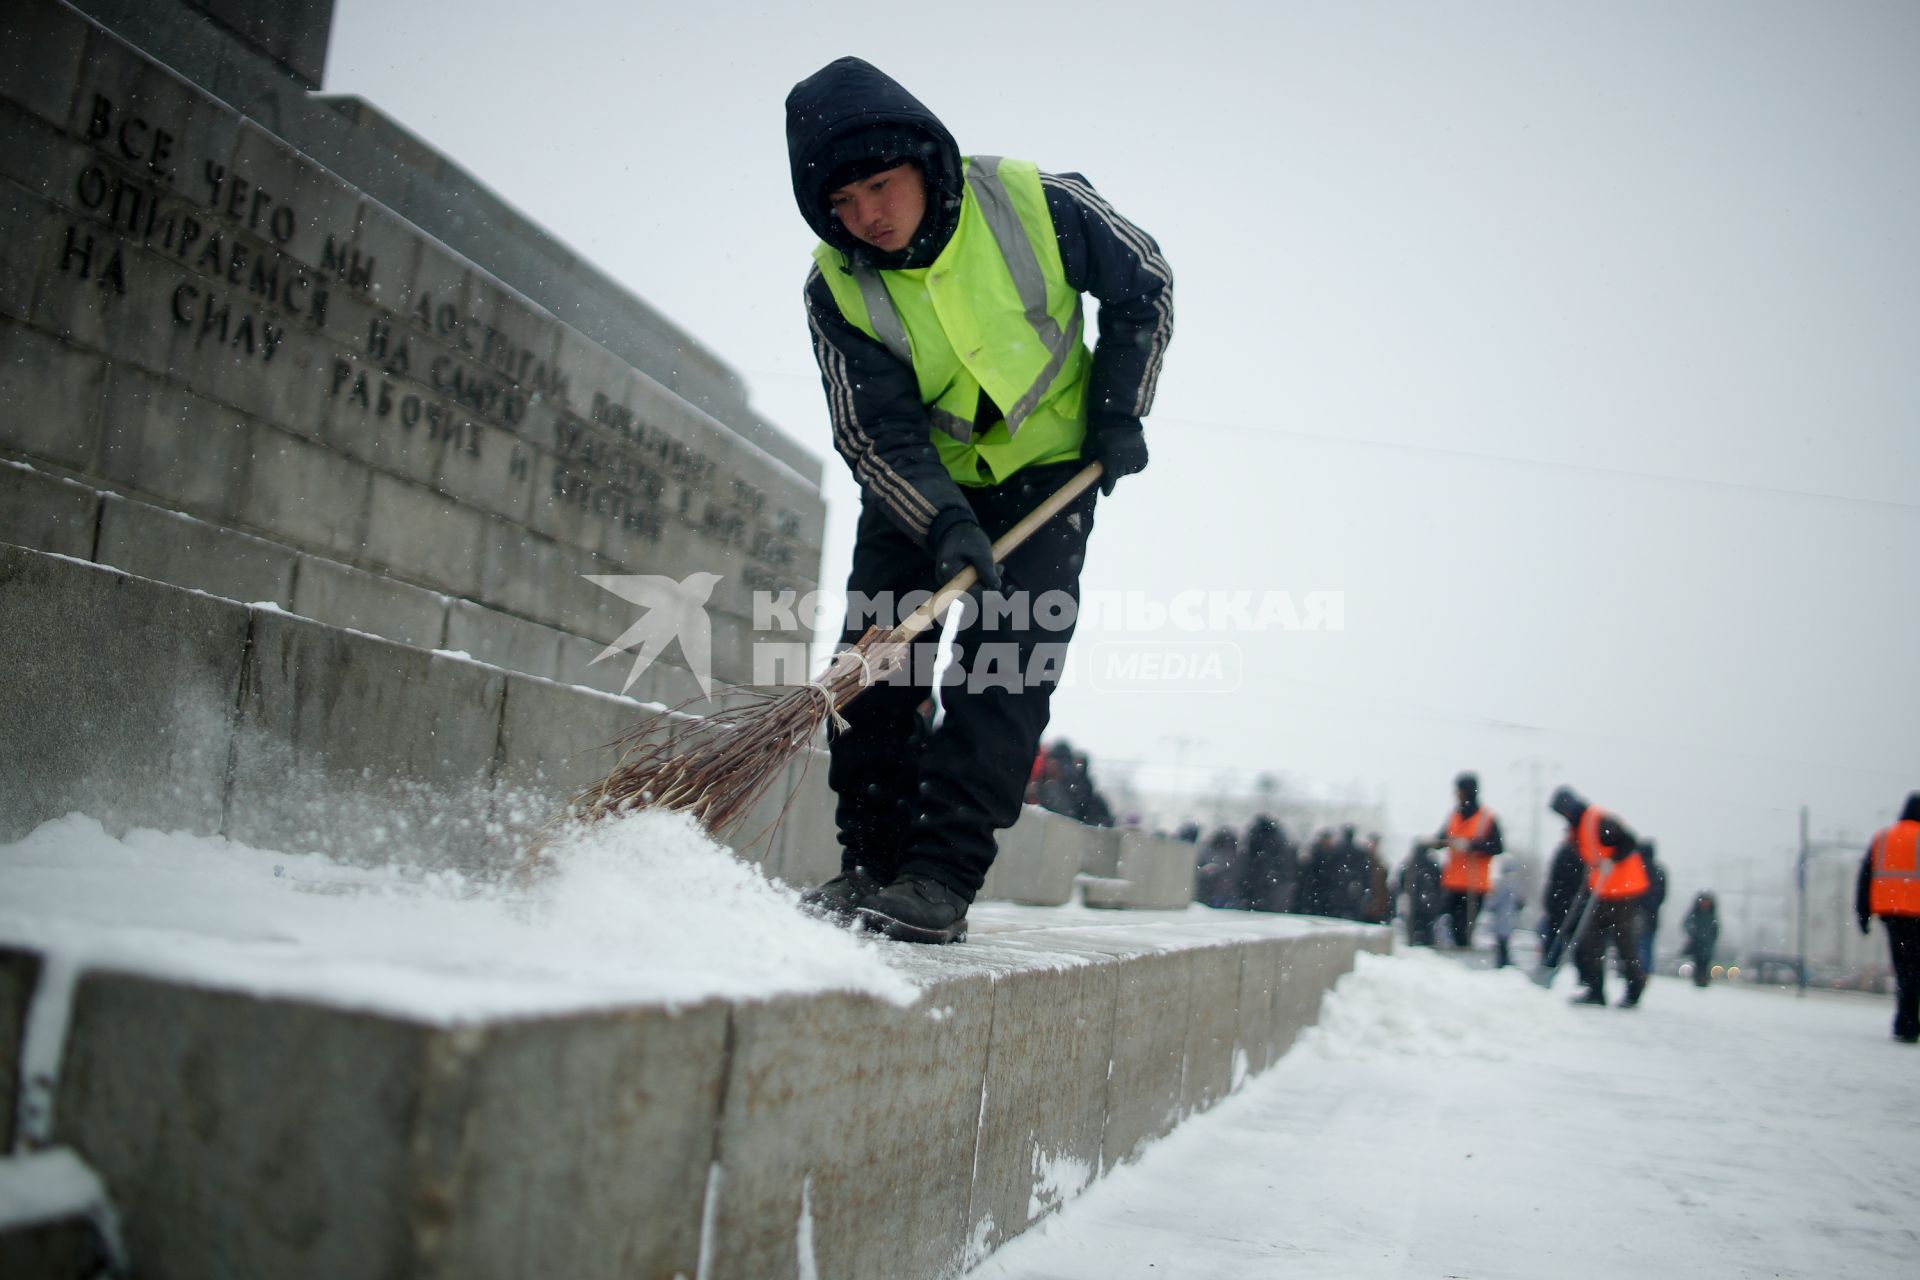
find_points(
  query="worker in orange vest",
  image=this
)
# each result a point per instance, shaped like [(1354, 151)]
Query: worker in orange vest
[(1890, 888), (1471, 837), (1617, 879)]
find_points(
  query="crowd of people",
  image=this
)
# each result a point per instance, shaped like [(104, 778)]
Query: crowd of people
[(1603, 895), (1338, 874), (1604, 892)]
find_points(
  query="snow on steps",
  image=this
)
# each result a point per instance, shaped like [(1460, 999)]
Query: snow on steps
[(245, 1134)]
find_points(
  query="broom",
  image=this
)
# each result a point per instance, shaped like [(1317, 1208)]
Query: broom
[(718, 767)]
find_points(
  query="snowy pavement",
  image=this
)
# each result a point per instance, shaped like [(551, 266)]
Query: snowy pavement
[(1444, 1121)]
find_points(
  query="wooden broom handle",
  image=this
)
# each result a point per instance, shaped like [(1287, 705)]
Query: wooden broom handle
[(962, 582)]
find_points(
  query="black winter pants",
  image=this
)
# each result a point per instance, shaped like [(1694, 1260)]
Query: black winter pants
[(1463, 909), (1615, 920), (914, 805), (1903, 937)]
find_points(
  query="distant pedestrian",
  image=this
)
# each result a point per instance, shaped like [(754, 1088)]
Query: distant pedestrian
[(1094, 809), (1310, 897), (1703, 934), (1379, 906), (1890, 888), (1217, 882), (1345, 879), (1617, 879), (1656, 897), (1060, 785), (1420, 884), (1471, 837), (1504, 905), (1272, 866)]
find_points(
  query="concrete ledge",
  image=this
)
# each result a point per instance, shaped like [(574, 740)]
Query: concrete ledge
[(55, 1220), (184, 552), (249, 1137), (119, 692), (47, 512), (831, 1134), (1040, 855), (62, 1250), (19, 973), (1129, 868)]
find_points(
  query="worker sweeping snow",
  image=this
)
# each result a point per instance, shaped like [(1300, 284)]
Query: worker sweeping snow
[(945, 310)]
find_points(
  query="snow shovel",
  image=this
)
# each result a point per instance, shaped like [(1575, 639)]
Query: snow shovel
[(1566, 939)]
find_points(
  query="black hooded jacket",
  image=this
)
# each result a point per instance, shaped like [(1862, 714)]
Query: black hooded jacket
[(850, 110)]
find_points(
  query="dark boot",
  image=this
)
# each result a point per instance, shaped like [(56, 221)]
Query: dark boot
[(917, 909), (1591, 995), (840, 898), (1634, 988)]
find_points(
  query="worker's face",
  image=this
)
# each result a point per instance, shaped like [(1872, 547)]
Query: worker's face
[(883, 210)]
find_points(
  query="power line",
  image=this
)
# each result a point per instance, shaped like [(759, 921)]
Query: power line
[(1481, 455), (1549, 464)]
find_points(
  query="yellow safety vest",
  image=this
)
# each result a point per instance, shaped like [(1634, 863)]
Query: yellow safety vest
[(994, 311)]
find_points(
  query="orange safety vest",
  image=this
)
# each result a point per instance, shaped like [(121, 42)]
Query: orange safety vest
[(1895, 890), (1628, 879), (1468, 872)]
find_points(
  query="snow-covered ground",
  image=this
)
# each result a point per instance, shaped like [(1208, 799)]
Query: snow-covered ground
[(1441, 1121), (1447, 1121)]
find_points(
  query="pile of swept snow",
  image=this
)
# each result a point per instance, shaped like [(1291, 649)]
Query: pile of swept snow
[(645, 909), (1421, 1005)]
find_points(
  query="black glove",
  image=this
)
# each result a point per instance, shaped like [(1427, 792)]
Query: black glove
[(965, 543), (1118, 445)]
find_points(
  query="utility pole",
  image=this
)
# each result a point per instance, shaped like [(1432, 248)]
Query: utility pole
[(1800, 889), (1535, 767)]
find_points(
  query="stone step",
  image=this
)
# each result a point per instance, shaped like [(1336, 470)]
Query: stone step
[(827, 1134), (55, 1220), (56, 513)]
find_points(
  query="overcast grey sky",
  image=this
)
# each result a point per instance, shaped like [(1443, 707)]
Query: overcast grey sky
[(1577, 345)]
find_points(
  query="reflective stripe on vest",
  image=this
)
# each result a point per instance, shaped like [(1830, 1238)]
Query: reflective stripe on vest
[(1895, 890), (1628, 879), (1009, 322), (1468, 872), (882, 314), (996, 204)]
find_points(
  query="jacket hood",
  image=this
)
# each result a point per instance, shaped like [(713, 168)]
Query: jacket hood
[(850, 112), (1567, 804)]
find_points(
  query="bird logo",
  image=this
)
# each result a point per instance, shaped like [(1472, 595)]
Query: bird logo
[(674, 610)]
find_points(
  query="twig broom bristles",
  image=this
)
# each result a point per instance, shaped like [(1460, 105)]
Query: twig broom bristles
[(717, 767)]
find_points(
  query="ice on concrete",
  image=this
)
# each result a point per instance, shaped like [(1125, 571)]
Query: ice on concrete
[(1446, 1121), (41, 1188), (643, 909)]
